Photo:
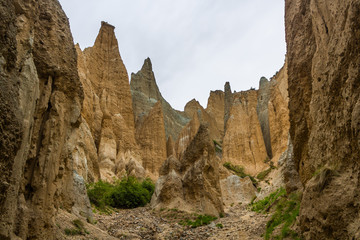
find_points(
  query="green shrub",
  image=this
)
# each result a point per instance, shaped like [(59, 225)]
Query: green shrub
[(239, 171), (285, 215), (263, 205), (201, 220), (125, 193), (219, 225), (99, 192), (262, 175), (287, 209)]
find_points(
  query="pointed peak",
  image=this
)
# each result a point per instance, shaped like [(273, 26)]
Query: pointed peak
[(106, 37), (227, 87), (147, 64), (106, 24)]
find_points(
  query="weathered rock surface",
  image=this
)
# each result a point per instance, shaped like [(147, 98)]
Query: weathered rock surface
[(107, 107), (323, 56), (278, 111), (243, 142), (263, 112), (236, 190), (150, 135), (194, 108), (191, 183), (40, 105), (216, 109), (187, 135), (170, 147), (228, 98), (145, 93)]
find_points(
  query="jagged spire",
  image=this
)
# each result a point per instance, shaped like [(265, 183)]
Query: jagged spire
[(147, 66)]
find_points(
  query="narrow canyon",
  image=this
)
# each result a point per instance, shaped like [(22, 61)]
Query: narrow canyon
[(277, 162)]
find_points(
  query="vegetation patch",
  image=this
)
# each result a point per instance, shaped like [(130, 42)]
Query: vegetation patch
[(265, 204), (219, 225), (201, 220), (218, 147), (78, 230), (239, 171), (262, 175), (125, 193), (283, 218)]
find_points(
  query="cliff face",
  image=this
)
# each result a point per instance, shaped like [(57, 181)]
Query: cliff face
[(243, 142), (150, 135), (145, 93), (107, 108), (278, 113), (324, 61), (216, 109), (262, 109), (194, 108), (191, 183), (40, 104)]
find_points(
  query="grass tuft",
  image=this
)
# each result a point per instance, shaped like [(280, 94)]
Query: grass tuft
[(286, 210), (239, 171), (262, 175), (201, 220)]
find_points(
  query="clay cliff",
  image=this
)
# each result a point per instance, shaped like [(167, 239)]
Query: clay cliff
[(216, 109), (243, 142), (194, 108), (107, 109), (145, 93), (191, 183), (40, 104), (323, 56), (278, 113), (150, 135)]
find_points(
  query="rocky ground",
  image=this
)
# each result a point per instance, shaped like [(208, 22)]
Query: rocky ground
[(145, 223)]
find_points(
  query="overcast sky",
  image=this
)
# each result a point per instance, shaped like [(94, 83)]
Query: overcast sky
[(195, 45)]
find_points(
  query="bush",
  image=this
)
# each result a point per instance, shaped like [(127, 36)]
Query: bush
[(99, 192), (285, 215), (201, 220), (130, 193), (287, 209), (239, 171), (125, 193), (262, 175), (266, 203)]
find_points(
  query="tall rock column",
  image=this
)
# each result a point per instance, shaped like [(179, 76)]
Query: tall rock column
[(323, 56), (216, 108), (107, 108), (262, 110), (227, 104)]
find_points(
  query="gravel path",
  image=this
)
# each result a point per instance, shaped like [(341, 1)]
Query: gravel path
[(144, 223)]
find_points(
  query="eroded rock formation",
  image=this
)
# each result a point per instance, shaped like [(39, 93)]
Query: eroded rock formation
[(150, 135), (40, 105), (107, 108), (216, 109), (194, 108), (191, 183), (145, 94), (278, 111), (243, 142), (323, 56)]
